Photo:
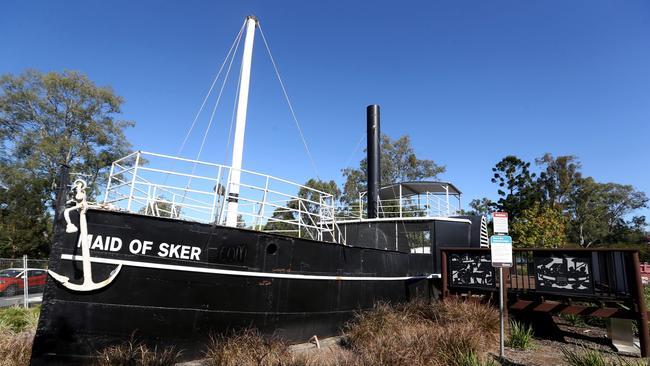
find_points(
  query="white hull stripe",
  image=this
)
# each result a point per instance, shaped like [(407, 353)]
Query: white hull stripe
[(229, 272)]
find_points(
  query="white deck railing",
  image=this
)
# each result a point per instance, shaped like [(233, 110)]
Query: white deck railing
[(423, 205), (167, 186)]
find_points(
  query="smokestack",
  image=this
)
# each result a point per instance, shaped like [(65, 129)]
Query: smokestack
[(374, 171)]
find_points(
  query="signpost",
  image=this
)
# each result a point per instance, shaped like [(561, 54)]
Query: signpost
[(500, 222), (501, 254)]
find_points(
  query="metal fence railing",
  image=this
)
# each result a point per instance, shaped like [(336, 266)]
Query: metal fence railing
[(22, 280), (166, 186), (597, 273)]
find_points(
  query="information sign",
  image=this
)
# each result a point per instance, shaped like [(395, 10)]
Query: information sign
[(500, 222), (501, 250)]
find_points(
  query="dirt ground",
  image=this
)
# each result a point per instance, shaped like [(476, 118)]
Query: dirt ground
[(548, 349)]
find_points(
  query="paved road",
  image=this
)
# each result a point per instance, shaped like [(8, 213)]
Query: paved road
[(18, 300)]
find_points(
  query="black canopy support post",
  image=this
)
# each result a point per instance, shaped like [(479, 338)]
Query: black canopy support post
[(444, 275), (374, 164), (641, 309)]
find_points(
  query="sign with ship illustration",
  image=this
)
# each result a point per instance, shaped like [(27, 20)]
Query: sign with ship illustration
[(563, 273)]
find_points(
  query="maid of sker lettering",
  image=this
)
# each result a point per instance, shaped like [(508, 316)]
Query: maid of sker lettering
[(146, 247)]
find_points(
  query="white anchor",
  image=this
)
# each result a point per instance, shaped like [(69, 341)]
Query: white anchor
[(82, 206)]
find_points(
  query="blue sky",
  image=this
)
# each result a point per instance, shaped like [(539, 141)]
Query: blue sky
[(469, 81)]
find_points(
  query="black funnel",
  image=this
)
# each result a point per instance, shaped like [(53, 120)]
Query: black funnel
[(374, 170)]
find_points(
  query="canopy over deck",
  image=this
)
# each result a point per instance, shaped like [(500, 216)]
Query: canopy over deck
[(406, 189)]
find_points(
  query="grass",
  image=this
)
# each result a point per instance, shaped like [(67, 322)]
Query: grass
[(521, 336), (584, 357), (16, 319), (574, 320), (452, 332), (17, 328), (591, 357)]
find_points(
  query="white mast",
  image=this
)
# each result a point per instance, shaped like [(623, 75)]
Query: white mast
[(240, 127)]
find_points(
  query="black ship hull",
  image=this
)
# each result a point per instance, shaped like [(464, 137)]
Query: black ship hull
[(181, 282)]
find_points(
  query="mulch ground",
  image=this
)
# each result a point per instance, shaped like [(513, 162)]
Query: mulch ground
[(548, 349)]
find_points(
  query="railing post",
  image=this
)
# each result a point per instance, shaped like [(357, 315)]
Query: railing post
[(108, 185), (641, 309), (447, 198), (226, 195), (299, 218), (135, 174), (146, 208), (262, 209), (400, 201), (154, 203), (360, 207), (429, 212), (216, 196)]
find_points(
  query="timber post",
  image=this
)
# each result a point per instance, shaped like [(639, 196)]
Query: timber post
[(641, 309)]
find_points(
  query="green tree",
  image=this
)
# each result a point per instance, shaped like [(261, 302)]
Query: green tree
[(598, 211), (539, 226), (25, 223), (559, 178), (285, 219), (51, 119), (161, 207), (47, 120), (483, 206), (398, 164), (517, 187)]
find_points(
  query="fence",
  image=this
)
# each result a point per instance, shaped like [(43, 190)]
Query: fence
[(598, 282), (600, 273), (22, 281)]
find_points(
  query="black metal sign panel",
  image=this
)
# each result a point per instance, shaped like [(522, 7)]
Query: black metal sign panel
[(470, 270), (563, 272)]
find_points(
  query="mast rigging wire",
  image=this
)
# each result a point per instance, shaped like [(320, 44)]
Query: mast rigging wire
[(234, 46), (286, 96), (214, 110), (347, 164)]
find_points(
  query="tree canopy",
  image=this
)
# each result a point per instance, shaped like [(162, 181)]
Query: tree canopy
[(48, 120), (560, 203), (398, 164)]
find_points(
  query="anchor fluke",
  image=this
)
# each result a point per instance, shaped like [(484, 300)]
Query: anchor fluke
[(90, 286)]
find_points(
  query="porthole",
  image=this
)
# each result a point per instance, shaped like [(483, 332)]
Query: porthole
[(271, 249)]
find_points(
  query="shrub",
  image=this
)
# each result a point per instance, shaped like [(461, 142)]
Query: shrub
[(521, 335), (136, 353), (15, 348), (246, 347), (17, 328), (422, 333), (419, 333)]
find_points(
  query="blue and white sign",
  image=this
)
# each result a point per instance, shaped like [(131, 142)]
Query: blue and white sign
[(501, 250)]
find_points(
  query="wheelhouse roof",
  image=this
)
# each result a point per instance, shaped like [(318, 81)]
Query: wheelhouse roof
[(392, 191)]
